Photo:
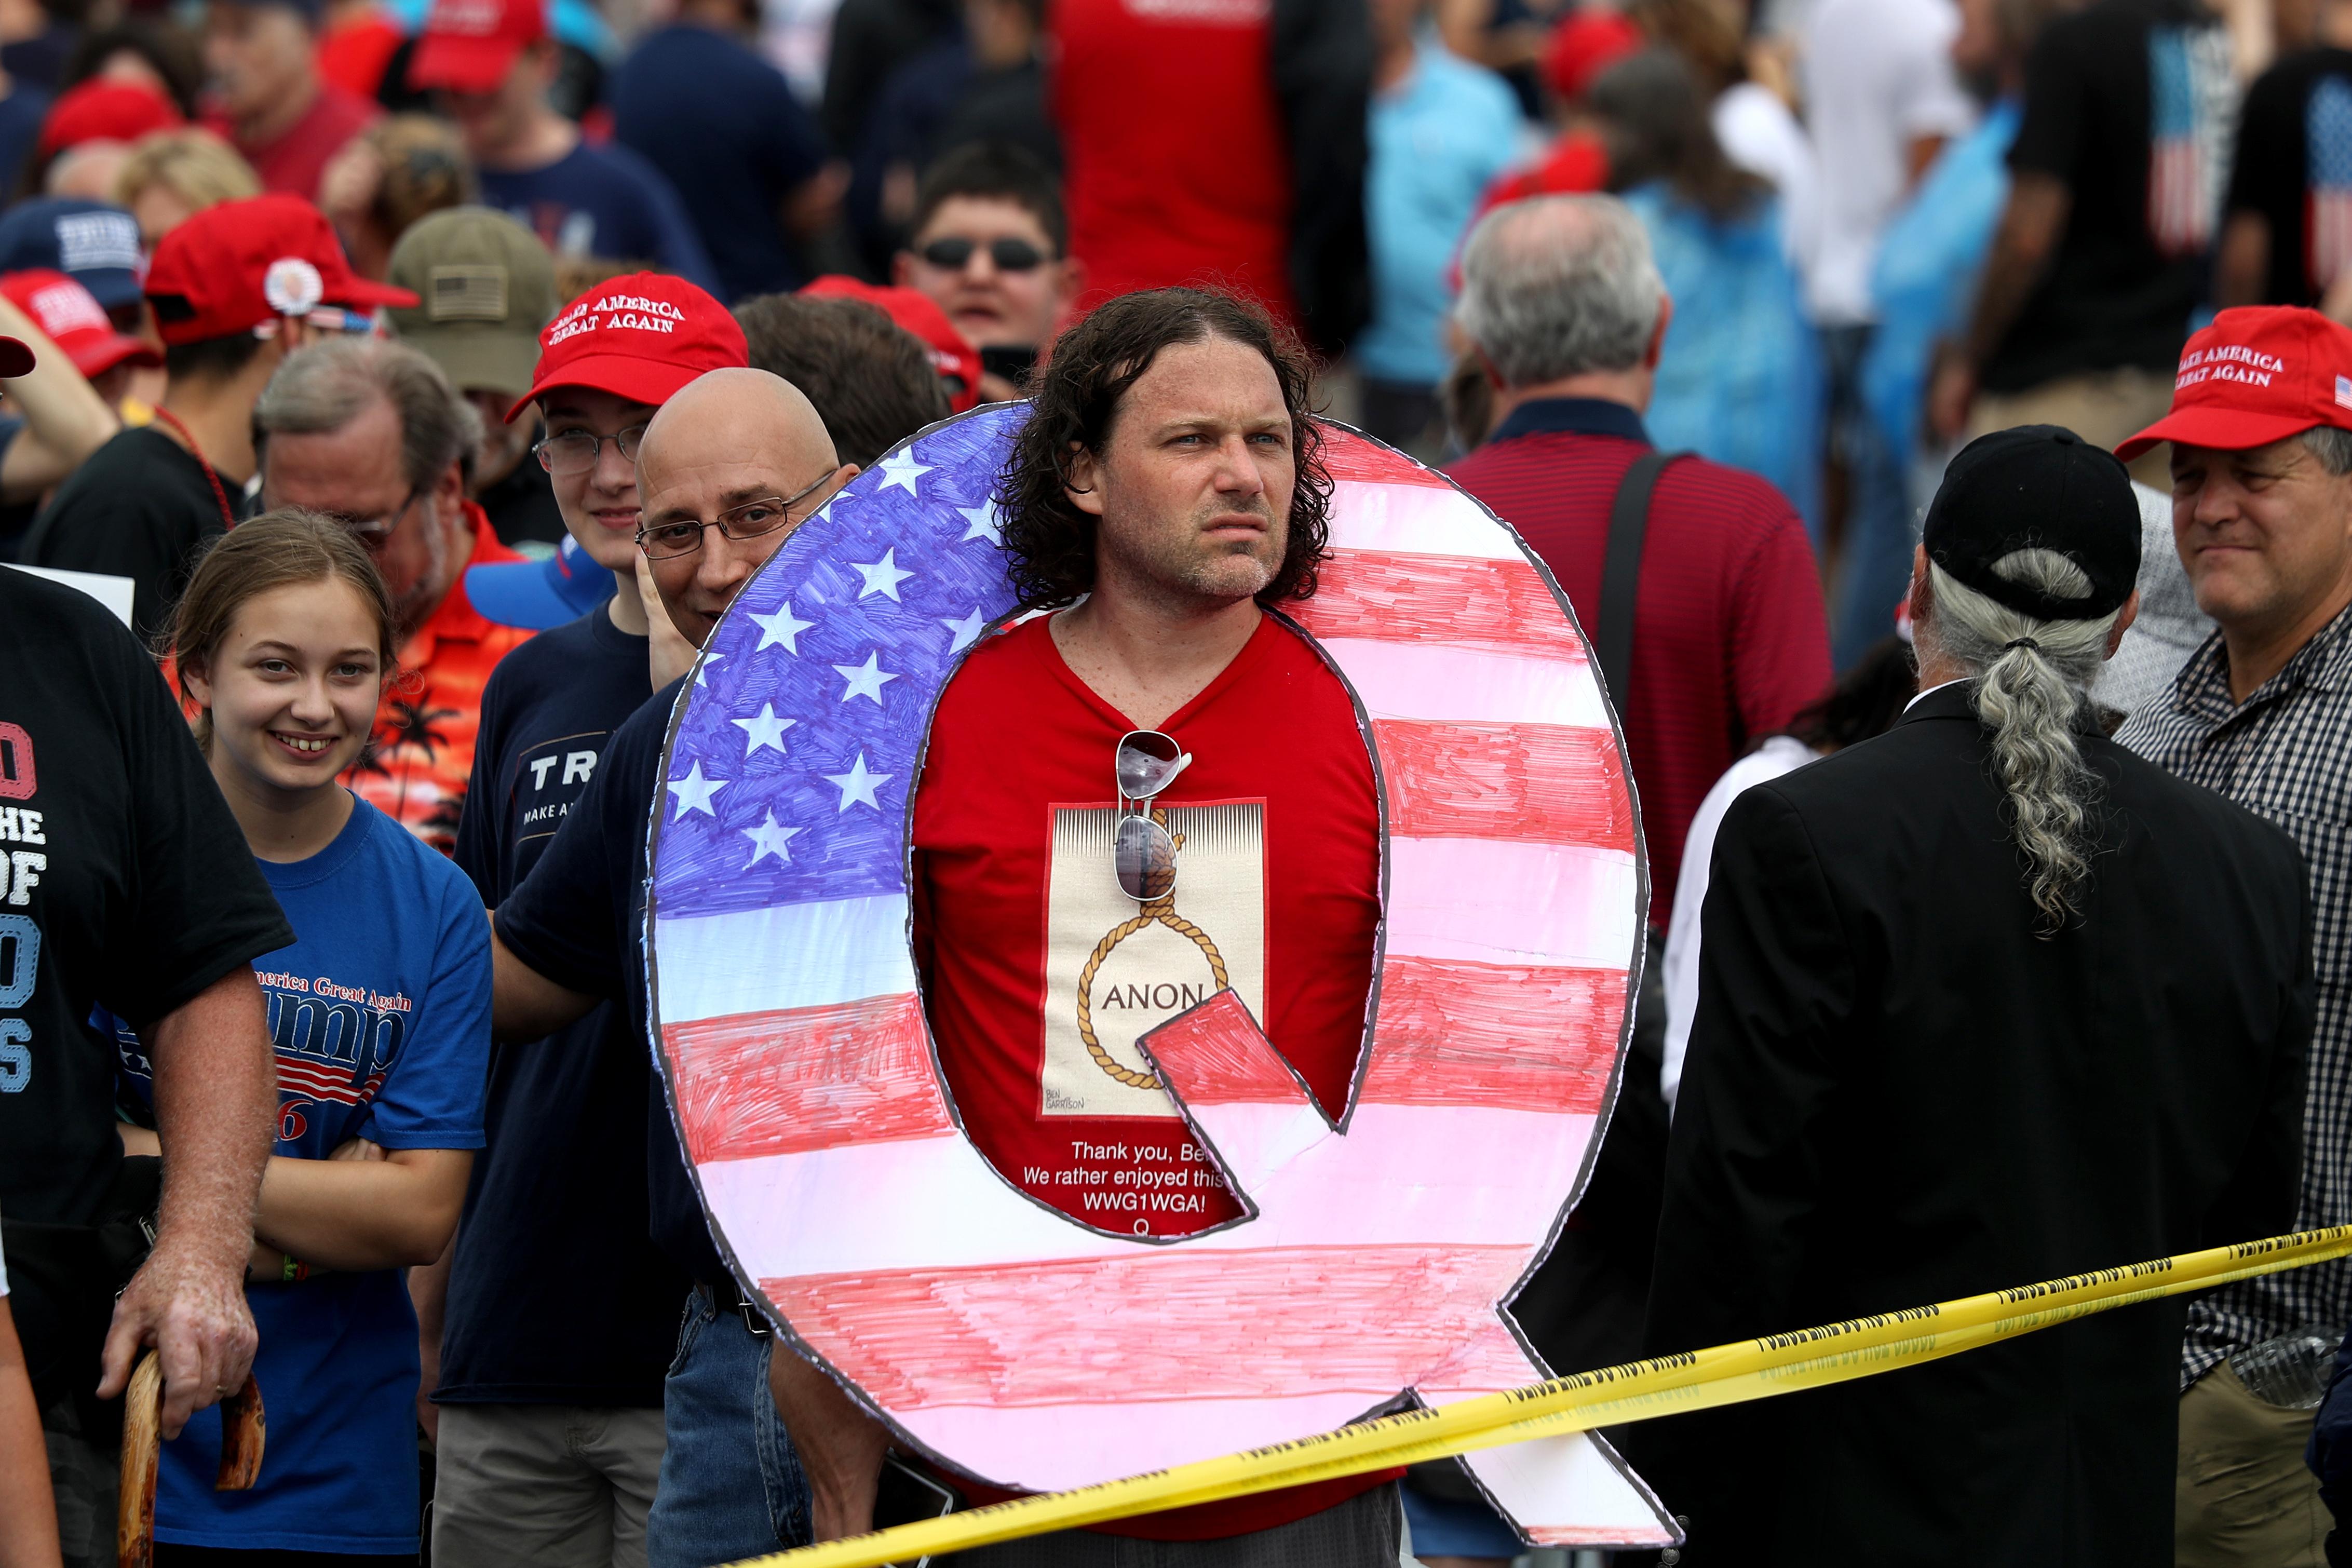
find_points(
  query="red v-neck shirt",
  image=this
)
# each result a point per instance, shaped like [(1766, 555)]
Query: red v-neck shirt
[(1019, 740)]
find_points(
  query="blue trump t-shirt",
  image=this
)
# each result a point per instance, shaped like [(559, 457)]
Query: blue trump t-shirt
[(381, 1016)]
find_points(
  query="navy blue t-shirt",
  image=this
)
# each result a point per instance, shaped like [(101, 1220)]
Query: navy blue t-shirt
[(578, 919), (560, 1194), (381, 1016), (604, 202), (723, 125)]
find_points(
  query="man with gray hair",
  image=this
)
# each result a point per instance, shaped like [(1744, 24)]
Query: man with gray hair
[(1986, 1001), (370, 431), (2261, 429), (1709, 639)]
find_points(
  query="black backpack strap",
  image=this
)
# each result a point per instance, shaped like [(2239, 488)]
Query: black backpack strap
[(1620, 573)]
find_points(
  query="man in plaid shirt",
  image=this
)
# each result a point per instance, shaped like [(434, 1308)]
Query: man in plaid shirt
[(2261, 483)]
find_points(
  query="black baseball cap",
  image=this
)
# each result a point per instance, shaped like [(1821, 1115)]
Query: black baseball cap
[(2037, 487)]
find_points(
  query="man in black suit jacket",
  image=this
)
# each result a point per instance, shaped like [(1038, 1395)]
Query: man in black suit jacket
[(1984, 1001)]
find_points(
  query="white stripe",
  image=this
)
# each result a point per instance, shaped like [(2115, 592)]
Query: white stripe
[(1416, 519), (1453, 1175), (1491, 902), (1465, 686), (796, 955)]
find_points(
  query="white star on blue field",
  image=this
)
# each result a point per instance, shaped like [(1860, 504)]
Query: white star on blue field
[(788, 777)]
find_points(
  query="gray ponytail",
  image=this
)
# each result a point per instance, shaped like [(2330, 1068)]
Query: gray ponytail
[(2031, 678)]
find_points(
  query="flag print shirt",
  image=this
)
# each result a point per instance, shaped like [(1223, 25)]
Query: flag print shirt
[(381, 1016)]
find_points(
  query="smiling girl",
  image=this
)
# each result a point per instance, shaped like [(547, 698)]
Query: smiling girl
[(380, 1017)]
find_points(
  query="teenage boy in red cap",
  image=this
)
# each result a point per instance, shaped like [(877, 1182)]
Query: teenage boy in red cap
[(492, 63), (235, 289), (560, 1191), (2261, 429)]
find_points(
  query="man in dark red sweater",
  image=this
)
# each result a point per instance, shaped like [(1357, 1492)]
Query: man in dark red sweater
[(1729, 641), (1568, 310)]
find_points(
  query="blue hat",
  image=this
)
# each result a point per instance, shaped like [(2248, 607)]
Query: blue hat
[(95, 243), (539, 594)]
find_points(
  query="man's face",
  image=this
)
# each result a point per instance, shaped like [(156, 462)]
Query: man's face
[(491, 123), (354, 475), (503, 445), (257, 56), (600, 502), (2265, 535), (993, 304), (1195, 483), (720, 464)]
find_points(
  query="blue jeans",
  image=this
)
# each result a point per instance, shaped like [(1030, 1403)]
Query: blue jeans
[(730, 1484), (1879, 535)]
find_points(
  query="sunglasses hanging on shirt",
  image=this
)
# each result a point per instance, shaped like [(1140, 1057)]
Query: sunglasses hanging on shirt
[(1144, 853)]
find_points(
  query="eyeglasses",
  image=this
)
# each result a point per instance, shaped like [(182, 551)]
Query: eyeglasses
[(372, 531), (749, 519), (1144, 852), (575, 451), (1009, 254)]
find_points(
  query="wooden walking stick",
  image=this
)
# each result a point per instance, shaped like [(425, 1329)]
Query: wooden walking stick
[(242, 1436)]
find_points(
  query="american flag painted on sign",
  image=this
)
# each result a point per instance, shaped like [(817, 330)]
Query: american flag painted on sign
[(2191, 113), (1004, 1339), (2327, 181)]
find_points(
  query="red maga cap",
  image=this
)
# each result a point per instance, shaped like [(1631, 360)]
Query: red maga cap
[(2258, 374), (102, 109), (230, 268), (469, 46), (641, 337), (1588, 43), (952, 355), (74, 321)]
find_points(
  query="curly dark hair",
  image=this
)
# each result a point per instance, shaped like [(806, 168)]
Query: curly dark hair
[(1050, 543)]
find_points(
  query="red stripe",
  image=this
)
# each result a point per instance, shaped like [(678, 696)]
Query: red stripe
[(1347, 456), (1550, 783), (1501, 605), (1498, 1036), (811, 1078), (1011, 1334)]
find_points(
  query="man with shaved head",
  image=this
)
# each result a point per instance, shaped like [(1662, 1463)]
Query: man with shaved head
[(732, 464)]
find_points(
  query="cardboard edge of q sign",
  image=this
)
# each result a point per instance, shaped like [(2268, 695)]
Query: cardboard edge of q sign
[(809, 572)]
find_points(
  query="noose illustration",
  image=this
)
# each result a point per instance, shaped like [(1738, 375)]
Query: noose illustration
[(1158, 911)]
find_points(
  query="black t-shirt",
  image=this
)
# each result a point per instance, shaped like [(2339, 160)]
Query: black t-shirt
[(521, 507), (2128, 104), (139, 508), (577, 919), (560, 1190), (129, 884), (2293, 167)]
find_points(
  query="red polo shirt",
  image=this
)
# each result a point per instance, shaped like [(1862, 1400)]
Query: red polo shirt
[(1729, 641), (415, 768)]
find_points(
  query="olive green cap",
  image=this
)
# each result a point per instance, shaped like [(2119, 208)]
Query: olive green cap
[(484, 289)]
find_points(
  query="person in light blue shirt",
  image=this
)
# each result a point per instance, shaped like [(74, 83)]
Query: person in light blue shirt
[(1739, 377), (380, 1013), (1442, 130)]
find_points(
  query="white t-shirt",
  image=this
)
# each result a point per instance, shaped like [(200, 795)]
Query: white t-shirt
[(1761, 136), (1878, 76), (1781, 754)]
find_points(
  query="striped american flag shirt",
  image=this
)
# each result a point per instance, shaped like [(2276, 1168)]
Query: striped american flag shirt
[(2280, 754)]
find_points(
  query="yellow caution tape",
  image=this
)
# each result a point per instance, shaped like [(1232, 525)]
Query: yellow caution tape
[(1637, 1390)]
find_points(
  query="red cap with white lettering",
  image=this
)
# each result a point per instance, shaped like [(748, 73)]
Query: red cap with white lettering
[(2258, 374), (469, 46), (641, 337)]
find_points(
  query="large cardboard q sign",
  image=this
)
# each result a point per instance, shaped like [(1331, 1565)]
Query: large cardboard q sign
[(1377, 1257)]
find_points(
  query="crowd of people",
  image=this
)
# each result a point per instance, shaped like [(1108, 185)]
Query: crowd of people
[(1937, 414)]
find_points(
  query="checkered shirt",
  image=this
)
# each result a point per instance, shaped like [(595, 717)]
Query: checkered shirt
[(2283, 754)]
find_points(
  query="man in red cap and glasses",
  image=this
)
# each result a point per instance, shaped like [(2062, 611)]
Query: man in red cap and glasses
[(491, 63), (562, 1185), (2261, 430), (235, 289)]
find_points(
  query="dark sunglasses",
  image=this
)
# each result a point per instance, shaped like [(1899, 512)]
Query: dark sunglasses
[(1010, 255), (1144, 853)]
